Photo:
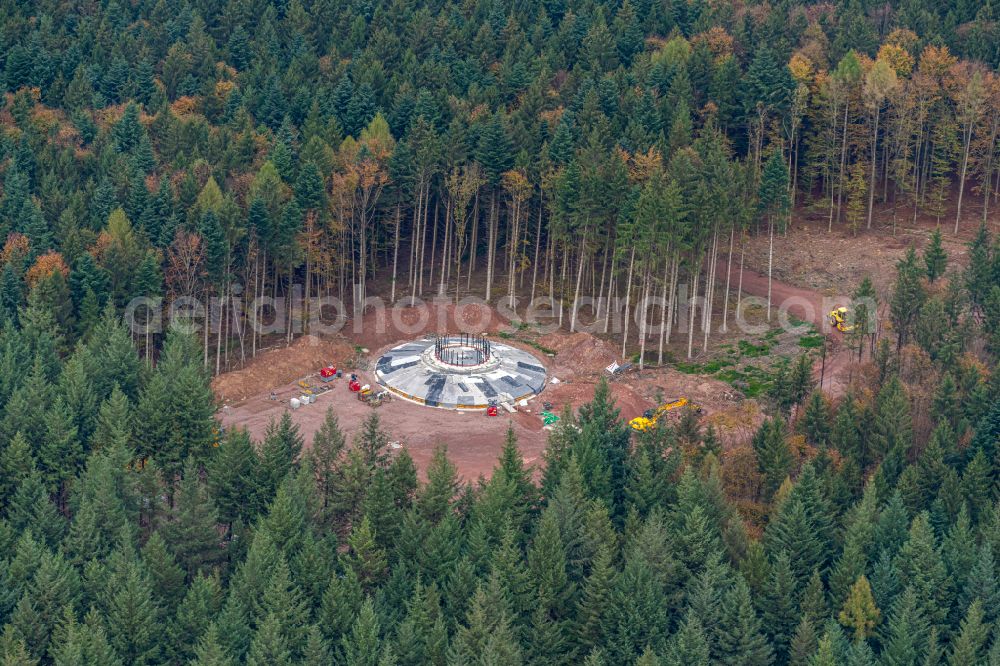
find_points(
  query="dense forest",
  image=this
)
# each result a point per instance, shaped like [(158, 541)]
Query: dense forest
[(556, 149), (859, 531), (544, 149)]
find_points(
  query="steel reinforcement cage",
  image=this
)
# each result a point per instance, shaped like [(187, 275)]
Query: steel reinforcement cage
[(455, 349)]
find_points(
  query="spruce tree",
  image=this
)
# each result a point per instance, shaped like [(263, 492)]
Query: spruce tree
[(165, 576), (780, 608), (773, 457), (364, 557), (741, 640), (816, 420), (210, 651), (281, 448), (133, 617), (922, 570), (195, 617), (935, 258), (234, 478), (434, 500), (269, 647), (908, 297), (969, 647), (191, 532)]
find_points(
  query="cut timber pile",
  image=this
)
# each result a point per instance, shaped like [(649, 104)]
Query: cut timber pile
[(282, 365)]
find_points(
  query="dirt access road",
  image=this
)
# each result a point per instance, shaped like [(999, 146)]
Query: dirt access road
[(809, 305)]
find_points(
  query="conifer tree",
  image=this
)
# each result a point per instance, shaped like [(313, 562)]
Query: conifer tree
[(780, 608), (234, 478), (741, 640), (210, 651), (192, 533), (281, 448), (935, 258), (859, 612), (922, 570), (969, 646), (165, 576), (907, 297), (906, 636), (773, 456), (132, 617), (816, 420), (364, 557), (434, 502)]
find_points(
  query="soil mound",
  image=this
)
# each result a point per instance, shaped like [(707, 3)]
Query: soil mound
[(281, 365), (578, 354)]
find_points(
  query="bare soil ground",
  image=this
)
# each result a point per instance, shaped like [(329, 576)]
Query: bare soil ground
[(474, 440), (281, 365), (811, 267), (834, 263)]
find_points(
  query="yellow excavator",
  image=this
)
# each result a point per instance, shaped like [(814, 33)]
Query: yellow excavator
[(648, 420), (838, 319)]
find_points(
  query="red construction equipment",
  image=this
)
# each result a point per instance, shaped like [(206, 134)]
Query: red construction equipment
[(328, 373), (354, 384), (492, 409)]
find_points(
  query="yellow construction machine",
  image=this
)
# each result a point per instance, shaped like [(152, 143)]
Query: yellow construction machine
[(648, 420), (838, 319)]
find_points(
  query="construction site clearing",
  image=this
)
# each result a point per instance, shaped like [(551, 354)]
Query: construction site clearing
[(291, 378)]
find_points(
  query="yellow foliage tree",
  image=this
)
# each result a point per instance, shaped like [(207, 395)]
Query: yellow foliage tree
[(859, 612)]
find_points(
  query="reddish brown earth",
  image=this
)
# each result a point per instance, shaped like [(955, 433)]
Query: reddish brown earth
[(808, 305), (280, 365), (474, 440)]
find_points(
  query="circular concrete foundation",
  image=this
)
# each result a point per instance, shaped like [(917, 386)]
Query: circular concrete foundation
[(455, 373)]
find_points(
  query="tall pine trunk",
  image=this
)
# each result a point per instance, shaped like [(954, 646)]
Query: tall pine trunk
[(395, 256), (628, 299), (729, 277)]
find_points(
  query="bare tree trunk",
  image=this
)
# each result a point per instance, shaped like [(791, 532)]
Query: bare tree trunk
[(473, 242), (739, 288), (491, 248), (208, 325), (672, 293), (691, 310), (611, 288), (604, 275), (512, 246), (833, 188), (443, 282), (663, 307), (628, 299), (414, 244), (710, 292), (843, 160), (642, 321), (729, 277), (395, 256), (966, 141), (562, 280), (770, 264), (434, 241), (871, 188), (423, 242), (538, 242), (579, 279)]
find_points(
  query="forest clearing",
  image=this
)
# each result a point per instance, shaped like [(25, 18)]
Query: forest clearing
[(576, 360), (500, 333)]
